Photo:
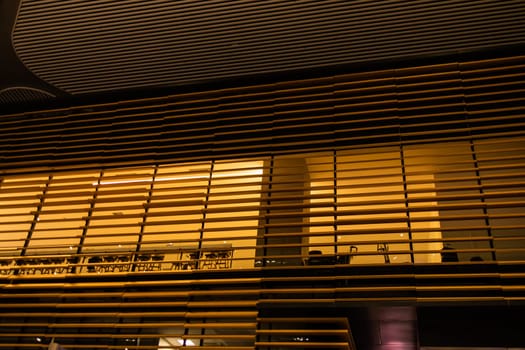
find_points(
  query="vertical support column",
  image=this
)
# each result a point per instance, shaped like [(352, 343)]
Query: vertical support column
[(88, 219), (287, 195), (336, 240), (146, 208), (266, 192), (205, 207), (407, 208), (36, 216), (482, 199)]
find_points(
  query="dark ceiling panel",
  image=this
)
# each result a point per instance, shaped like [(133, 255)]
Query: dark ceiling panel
[(99, 46)]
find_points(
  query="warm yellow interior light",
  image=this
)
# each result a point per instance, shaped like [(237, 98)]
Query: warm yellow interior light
[(177, 178)]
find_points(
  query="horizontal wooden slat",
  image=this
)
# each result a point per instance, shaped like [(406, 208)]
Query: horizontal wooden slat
[(283, 116), (410, 158)]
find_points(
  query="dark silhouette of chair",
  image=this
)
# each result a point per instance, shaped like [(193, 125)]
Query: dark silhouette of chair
[(193, 262), (38, 265), (217, 259), (316, 257), (71, 263), (346, 258), (448, 254), (59, 265), (382, 248), (109, 265), (122, 263), (4, 263), (94, 264), (210, 260), (143, 262), (156, 264), (224, 259), (177, 265), (188, 261), (21, 263)]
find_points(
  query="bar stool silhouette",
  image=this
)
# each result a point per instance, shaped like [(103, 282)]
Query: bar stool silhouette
[(382, 248), (448, 254), (192, 261), (217, 259), (210, 260), (110, 263), (94, 262), (224, 259), (143, 259), (122, 263), (156, 264)]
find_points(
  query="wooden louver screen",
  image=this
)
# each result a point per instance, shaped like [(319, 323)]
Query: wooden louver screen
[(389, 165), (304, 333), (360, 206), (448, 101), (398, 164)]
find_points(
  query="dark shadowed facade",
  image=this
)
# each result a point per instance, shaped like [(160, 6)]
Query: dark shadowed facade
[(262, 175)]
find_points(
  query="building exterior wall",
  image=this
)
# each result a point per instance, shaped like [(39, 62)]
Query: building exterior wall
[(377, 171)]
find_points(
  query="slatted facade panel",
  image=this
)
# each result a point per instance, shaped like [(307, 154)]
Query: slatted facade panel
[(120, 314), (379, 219), (304, 333), (448, 101), (210, 218), (265, 310), (389, 166), (450, 201)]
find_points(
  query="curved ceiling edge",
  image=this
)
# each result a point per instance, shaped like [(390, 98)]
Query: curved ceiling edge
[(14, 75), (20, 94), (103, 46)]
